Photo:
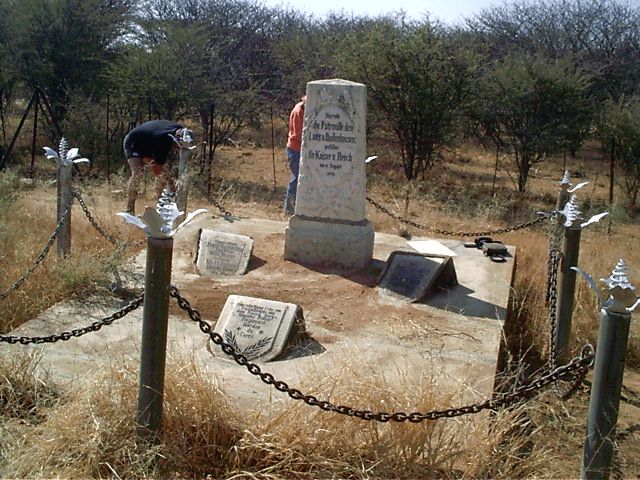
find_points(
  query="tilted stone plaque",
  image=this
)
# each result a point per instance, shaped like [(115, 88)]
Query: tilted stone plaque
[(221, 253), (261, 330), (330, 224), (412, 276)]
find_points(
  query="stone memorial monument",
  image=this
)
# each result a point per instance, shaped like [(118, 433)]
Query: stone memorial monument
[(261, 330), (221, 253), (329, 225)]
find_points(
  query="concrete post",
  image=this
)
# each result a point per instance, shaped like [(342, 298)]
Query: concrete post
[(154, 336), (615, 318)]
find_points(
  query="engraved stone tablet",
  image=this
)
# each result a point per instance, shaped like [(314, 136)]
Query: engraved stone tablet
[(221, 253), (261, 330), (410, 276)]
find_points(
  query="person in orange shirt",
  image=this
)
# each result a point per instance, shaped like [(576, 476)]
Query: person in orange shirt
[(294, 143)]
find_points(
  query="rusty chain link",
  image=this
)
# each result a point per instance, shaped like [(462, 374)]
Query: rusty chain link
[(93, 221), (215, 203), (576, 366), (555, 231), (543, 217), (40, 258), (554, 264), (77, 332)]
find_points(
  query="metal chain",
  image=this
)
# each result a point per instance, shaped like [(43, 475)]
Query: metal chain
[(555, 230), (78, 332), (447, 233), (217, 204), (554, 263), (577, 365), (40, 258), (92, 220)]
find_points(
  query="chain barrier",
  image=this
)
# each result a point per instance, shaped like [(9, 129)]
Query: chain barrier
[(93, 221), (78, 332), (554, 266), (215, 203), (447, 233), (576, 367), (554, 244), (40, 258)]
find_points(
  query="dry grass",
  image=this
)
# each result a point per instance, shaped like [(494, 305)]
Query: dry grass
[(28, 221), (89, 431)]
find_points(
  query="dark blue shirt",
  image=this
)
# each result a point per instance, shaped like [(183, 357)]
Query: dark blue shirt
[(151, 139)]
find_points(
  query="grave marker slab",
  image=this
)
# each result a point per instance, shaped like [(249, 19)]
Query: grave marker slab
[(262, 330), (221, 253), (411, 276), (329, 226)]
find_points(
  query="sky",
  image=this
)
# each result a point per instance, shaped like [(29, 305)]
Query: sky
[(447, 11)]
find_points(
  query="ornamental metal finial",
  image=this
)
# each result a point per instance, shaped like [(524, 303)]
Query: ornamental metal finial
[(158, 222), (617, 295), (565, 183), (572, 213), (184, 139), (67, 156)]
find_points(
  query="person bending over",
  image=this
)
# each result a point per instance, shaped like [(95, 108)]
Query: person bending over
[(150, 144)]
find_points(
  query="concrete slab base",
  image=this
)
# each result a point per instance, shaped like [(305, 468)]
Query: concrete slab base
[(451, 339), (322, 242)]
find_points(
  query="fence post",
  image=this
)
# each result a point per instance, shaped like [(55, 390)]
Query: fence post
[(158, 225), (567, 281), (65, 196), (155, 319), (570, 252), (563, 196), (615, 317), (185, 142), (65, 159)]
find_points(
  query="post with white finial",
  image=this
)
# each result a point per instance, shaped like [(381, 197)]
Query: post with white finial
[(158, 225), (65, 197), (618, 300), (567, 278), (563, 196), (65, 158)]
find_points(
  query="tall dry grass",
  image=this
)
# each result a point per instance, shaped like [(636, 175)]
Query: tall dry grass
[(90, 432), (27, 222)]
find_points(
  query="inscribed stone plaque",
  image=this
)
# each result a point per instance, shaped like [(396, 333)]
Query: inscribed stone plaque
[(331, 183), (411, 276), (221, 253), (259, 329)]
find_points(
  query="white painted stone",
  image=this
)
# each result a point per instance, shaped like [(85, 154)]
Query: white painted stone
[(330, 225), (329, 243), (260, 329), (221, 253), (331, 183)]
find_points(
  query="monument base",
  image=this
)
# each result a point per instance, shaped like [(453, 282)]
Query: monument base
[(322, 242)]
